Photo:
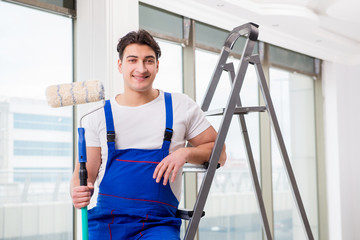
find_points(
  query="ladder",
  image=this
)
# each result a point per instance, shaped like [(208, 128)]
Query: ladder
[(234, 107)]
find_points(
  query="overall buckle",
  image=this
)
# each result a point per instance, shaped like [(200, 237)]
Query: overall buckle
[(168, 134), (111, 136)]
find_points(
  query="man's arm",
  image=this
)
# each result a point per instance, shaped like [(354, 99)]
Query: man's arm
[(81, 195), (198, 154)]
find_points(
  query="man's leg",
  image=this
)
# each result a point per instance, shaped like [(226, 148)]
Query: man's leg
[(161, 232)]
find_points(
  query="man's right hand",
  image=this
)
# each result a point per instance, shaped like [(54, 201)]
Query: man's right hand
[(81, 195)]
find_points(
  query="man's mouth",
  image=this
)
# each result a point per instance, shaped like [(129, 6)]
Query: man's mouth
[(140, 77)]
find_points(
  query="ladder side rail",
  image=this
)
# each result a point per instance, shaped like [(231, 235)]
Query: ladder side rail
[(249, 30), (251, 161), (219, 142), (275, 124), (215, 79)]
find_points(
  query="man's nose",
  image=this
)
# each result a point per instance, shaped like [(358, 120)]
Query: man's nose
[(141, 67)]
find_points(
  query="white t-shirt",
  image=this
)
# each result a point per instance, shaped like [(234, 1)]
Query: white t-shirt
[(143, 127)]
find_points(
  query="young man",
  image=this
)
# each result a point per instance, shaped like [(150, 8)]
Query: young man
[(136, 151)]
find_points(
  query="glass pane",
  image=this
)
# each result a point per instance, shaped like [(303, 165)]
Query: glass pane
[(35, 140), (215, 38), (210, 35), (169, 77), (61, 3), (160, 21), (231, 208), (293, 98), (291, 59)]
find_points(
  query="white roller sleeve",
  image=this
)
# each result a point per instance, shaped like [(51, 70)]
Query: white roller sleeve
[(74, 93)]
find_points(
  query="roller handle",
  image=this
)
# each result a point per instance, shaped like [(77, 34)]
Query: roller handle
[(83, 180), (84, 221), (83, 175), (82, 146)]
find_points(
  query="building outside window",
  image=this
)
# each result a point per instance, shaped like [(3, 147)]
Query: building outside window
[(36, 142)]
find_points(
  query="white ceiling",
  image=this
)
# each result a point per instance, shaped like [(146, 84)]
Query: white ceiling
[(327, 29)]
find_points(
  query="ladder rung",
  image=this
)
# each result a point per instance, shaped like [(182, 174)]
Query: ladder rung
[(238, 110), (186, 214), (189, 167)]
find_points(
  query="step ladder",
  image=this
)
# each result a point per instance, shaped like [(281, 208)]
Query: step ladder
[(234, 107)]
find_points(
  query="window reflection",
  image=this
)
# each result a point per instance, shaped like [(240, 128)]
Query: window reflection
[(293, 98), (35, 140), (169, 77)]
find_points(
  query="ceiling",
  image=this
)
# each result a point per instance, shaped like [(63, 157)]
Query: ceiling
[(327, 29)]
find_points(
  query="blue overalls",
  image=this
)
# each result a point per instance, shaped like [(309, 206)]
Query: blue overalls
[(130, 204)]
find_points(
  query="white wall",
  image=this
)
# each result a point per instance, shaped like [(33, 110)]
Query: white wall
[(341, 85)]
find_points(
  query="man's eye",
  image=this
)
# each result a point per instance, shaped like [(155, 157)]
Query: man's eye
[(150, 61), (132, 60)]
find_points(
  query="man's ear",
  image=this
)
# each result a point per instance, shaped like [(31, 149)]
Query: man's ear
[(157, 66), (119, 65)]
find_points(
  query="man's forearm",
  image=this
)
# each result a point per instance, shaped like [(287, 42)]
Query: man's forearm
[(201, 154)]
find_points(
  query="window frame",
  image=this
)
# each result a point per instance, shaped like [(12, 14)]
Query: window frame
[(49, 7)]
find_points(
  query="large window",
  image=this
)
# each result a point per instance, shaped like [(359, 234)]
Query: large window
[(36, 142), (293, 98)]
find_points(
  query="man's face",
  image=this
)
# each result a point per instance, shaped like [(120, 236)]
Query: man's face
[(139, 67)]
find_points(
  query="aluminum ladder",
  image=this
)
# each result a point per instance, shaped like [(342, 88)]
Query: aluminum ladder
[(234, 107)]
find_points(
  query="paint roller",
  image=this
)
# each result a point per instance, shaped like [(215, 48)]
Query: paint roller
[(70, 94)]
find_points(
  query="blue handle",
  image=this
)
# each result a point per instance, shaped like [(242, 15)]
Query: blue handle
[(82, 145)]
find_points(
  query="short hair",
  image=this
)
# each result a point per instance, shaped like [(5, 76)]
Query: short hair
[(141, 37)]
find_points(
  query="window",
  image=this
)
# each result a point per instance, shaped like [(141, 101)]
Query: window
[(169, 77), (61, 7), (293, 98), (36, 141), (165, 23)]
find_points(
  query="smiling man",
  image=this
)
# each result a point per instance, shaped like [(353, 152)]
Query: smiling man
[(136, 150)]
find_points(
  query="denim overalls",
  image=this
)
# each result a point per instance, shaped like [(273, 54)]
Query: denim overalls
[(130, 204)]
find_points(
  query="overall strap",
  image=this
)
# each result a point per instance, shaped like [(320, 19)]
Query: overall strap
[(110, 130), (169, 122)]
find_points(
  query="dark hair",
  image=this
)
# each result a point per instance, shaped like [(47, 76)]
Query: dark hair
[(141, 37)]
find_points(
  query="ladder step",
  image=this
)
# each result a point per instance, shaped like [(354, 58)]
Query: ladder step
[(186, 214), (189, 167), (238, 110)]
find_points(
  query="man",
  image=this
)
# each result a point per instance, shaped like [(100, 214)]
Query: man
[(128, 146)]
